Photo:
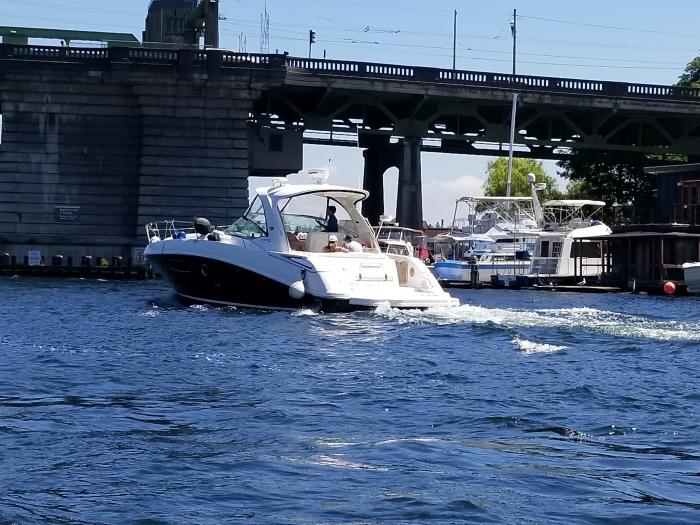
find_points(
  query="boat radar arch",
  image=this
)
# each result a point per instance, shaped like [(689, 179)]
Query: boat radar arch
[(320, 175)]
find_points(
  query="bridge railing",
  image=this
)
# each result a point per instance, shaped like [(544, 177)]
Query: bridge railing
[(499, 80), (218, 59)]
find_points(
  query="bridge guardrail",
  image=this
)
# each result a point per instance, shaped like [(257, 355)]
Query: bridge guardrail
[(478, 78), (223, 59)]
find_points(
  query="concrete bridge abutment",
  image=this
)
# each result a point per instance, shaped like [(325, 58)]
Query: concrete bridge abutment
[(89, 157)]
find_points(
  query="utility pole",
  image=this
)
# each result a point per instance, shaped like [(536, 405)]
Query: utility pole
[(454, 43), (513, 29), (312, 39), (512, 140)]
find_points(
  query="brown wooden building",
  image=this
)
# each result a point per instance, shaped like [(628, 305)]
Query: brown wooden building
[(643, 257)]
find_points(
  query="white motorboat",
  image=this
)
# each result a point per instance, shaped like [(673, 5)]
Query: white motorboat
[(567, 249), (490, 240), (691, 276), (273, 257), (550, 243), (393, 238)]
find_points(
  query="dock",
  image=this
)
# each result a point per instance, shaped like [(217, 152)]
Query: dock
[(102, 270)]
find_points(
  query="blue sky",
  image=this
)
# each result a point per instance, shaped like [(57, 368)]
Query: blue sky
[(630, 41)]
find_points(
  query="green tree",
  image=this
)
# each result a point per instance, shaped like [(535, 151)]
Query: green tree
[(613, 177), (497, 176), (691, 75), (194, 25)]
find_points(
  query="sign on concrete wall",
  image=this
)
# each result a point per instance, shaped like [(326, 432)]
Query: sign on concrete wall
[(66, 214), (34, 258), (137, 258)]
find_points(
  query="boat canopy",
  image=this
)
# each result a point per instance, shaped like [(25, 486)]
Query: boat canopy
[(572, 203), (495, 199), (285, 191)]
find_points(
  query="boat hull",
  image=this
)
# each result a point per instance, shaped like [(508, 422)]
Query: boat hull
[(205, 280), (460, 272), (691, 275)]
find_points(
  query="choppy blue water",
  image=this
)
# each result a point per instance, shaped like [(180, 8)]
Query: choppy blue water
[(120, 406)]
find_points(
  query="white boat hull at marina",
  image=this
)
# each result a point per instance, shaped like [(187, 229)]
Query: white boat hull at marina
[(456, 272), (691, 275)]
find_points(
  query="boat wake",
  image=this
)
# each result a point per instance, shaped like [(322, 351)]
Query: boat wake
[(590, 320), (531, 347)]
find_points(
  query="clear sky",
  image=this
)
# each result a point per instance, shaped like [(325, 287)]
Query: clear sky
[(626, 40)]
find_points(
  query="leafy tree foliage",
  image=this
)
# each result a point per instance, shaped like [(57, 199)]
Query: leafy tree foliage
[(613, 177), (497, 176), (194, 25), (691, 76)]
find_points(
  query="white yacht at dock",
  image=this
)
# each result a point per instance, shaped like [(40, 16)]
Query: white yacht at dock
[(516, 241)]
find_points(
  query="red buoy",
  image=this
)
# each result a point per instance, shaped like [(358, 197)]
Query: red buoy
[(669, 288)]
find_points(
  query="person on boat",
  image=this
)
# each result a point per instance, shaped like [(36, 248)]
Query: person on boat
[(331, 220), (352, 246), (332, 246)]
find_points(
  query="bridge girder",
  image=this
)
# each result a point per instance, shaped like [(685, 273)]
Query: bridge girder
[(546, 127)]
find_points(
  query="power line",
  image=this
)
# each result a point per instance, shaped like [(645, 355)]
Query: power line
[(372, 45), (615, 28)]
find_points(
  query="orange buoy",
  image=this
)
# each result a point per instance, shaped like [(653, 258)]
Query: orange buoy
[(669, 288)]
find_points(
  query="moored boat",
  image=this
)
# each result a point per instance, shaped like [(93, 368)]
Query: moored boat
[(556, 242), (393, 238), (691, 276)]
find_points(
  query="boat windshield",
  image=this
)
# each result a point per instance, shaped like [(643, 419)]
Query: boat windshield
[(252, 223), (307, 213)]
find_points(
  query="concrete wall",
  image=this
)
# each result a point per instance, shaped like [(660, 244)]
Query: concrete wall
[(88, 158)]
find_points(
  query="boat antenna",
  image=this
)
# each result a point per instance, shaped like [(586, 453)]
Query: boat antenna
[(512, 139)]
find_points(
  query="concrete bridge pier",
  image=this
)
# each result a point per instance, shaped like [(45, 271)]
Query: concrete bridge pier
[(409, 199), (379, 156)]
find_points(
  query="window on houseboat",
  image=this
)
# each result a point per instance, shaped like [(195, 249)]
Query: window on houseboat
[(556, 248), (586, 249)]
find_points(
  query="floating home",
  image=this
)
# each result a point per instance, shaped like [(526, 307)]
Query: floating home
[(644, 257)]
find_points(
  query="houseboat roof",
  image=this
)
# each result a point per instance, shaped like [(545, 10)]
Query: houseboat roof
[(626, 235), (672, 168)]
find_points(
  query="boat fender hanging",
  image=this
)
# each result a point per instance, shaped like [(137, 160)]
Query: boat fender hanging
[(297, 290)]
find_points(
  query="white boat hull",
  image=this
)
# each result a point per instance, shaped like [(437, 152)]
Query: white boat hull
[(240, 273), (691, 275)]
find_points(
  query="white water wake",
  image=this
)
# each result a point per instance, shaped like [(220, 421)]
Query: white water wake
[(574, 319)]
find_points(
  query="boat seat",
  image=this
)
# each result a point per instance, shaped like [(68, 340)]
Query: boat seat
[(294, 243), (317, 240)]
